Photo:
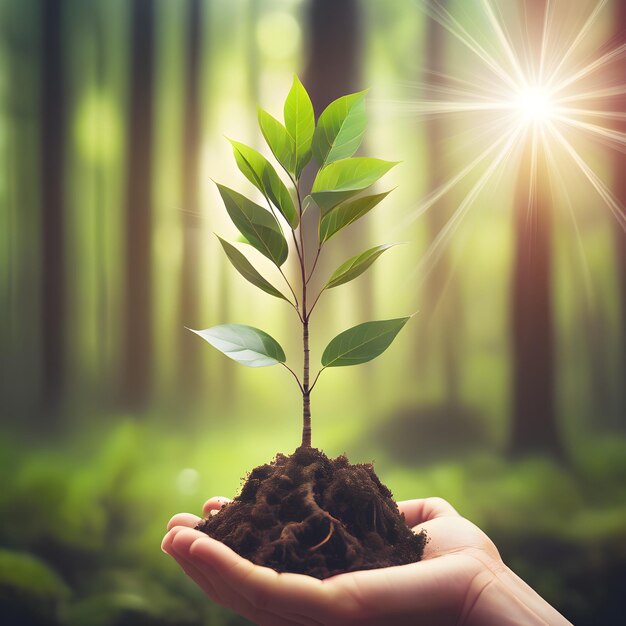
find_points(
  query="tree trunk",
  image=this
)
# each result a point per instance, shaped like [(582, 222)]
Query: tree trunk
[(53, 283), (534, 427), (620, 236), (137, 367), (334, 70), (440, 333), (189, 367)]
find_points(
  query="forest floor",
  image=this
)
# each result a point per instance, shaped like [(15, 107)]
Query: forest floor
[(81, 521)]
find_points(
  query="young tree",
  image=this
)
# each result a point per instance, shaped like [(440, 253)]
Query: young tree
[(52, 163), (137, 369), (335, 191)]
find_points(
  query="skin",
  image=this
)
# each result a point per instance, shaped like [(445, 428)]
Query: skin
[(462, 581)]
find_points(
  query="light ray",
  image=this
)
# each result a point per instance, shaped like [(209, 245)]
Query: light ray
[(528, 97), (613, 136), (437, 247), (564, 193), (504, 41), (592, 67), (596, 94), (580, 36), (443, 17), (605, 193), (608, 115), (452, 182)]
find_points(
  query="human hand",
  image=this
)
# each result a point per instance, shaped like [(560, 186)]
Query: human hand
[(461, 580)]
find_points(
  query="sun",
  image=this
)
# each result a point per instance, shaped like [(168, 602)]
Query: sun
[(556, 97), (535, 104)]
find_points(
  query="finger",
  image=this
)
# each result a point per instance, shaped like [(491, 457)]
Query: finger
[(211, 583), (424, 509), (214, 504), (184, 519), (190, 569), (262, 587)]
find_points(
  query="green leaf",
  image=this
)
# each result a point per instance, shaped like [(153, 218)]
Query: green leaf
[(340, 129), (343, 179), (356, 266), (245, 344), (279, 141), (346, 213), (362, 343), (300, 123), (246, 269), (259, 171), (256, 224)]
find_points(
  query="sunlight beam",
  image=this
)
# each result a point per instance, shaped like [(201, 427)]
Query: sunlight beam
[(437, 247), (582, 33), (446, 20), (605, 193)]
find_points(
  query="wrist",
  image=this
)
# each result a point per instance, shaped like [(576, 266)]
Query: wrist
[(503, 599)]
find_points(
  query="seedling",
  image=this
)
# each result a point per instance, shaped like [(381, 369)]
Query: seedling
[(304, 512), (336, 191)]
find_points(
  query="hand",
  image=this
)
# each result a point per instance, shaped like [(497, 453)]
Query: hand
[(461, 580)]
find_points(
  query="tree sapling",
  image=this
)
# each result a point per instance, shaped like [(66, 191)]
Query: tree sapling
[(305, 512)]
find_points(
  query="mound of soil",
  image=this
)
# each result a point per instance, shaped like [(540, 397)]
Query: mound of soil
[(308, 514)]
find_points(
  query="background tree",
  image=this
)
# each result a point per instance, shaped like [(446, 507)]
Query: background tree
[(189, 370), (334, 68), (52, 168), (619, 185), (137, 366), (439, 334), (534, 426)]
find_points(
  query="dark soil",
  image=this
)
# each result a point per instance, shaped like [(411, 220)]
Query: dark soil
[(308, 514)]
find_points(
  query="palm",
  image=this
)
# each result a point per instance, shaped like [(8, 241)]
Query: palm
[(459, 561)]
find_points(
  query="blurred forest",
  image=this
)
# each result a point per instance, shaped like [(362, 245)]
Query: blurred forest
[(506, 394)]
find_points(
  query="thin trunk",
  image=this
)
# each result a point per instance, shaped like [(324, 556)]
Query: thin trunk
[(620, 235), (189, 367), (534, 427), (333, 69), (53, 283), (137, 368), (306, 393)]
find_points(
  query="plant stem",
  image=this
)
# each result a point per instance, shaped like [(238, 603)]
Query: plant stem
[(306, 392)]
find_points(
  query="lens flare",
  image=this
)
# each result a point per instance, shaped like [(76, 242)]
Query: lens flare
[(535, 104), (552, 91)]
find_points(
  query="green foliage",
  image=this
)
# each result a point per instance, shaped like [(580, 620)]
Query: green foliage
[(346, 213), (245, 344), (246, 269), (256, 224), (30, 591), (335, 196), (300, 123), (340, 129), (279, 141), (356, 265), (344, 179), (258, 170), (362, 343)]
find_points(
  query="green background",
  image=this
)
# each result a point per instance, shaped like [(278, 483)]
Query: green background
[(87, 485)]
